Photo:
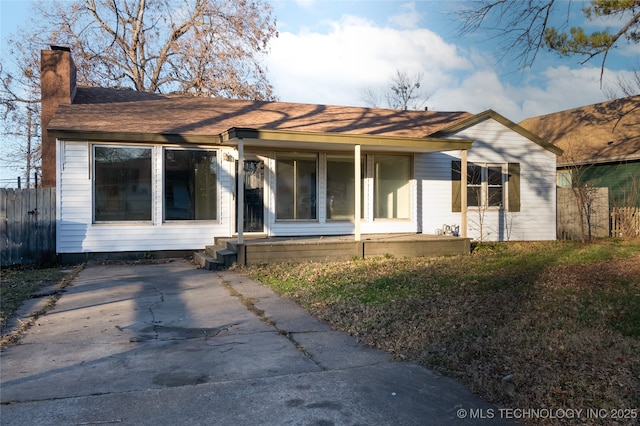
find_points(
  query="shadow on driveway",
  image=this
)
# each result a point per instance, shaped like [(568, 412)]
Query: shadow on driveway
[(167, 343)]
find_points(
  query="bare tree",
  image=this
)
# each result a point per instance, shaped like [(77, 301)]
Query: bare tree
[(373, 98), (592, 214), (526, 26), (404, 92), (20, 109), (200, 47), (195, 47), (626, 86)]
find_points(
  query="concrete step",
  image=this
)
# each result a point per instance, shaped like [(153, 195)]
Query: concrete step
[(213, 250), (215, 258), (207, 262)]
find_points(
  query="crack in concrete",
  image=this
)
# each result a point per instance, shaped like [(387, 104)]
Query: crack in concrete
[(153, 315), (249, 303)]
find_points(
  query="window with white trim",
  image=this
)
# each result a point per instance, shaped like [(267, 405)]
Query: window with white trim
[(122, 183), (190, 184), (485, 185), (488, 185), (341, 187), (296, 186), (392, 186)]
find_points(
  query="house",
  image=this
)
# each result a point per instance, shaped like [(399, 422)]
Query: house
[(601, 148), (139, 172), (601, 141)]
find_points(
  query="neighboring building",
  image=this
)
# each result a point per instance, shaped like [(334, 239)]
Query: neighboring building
[(601, 146), (144, 172)]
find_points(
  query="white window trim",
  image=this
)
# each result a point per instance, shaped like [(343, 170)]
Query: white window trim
[(318, 188), (484, 186), (218, 187), (93, 146)]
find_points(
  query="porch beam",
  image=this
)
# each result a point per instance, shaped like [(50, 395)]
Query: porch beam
[(240, 194), (463, 193), (285, 138), (358, 191)]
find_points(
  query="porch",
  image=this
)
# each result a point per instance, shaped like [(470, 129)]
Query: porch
[(260, 250)]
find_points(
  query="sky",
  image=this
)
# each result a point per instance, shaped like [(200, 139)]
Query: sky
[(329, 51)]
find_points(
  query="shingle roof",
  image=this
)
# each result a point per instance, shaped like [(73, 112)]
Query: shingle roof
[(603, 132), (126, 111)]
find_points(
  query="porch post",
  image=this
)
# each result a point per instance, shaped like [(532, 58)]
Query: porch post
[(358, 191), (463, 193), (240, 194)]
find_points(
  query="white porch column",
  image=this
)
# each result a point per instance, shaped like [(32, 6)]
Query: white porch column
[(358, 191), (463, 193), (240, 194)]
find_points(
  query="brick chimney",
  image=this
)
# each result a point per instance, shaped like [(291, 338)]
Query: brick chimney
[(57, 86)]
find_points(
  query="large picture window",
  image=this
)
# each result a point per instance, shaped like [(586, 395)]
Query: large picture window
[(296, 186), (122, 184), (392, 190), (190, 184)]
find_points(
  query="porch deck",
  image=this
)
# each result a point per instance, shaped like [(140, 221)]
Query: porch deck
[(261, 250)]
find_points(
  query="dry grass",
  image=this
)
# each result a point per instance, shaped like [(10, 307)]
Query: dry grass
[(535, 326), (20, 283)]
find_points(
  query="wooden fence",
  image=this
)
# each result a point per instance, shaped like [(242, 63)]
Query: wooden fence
[(27, 226), (569, 224), (625, 222), (604, 221)]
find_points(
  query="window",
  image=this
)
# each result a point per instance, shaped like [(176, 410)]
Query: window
[(122, 184), (392, 193), (340, 187), (563, 179), (486, 185), (494, 186), (190, 184), (474, 185), (296, 186)]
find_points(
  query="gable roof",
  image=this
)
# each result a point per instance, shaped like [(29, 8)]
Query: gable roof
[(112, 114), (473, 120), (597, 133)]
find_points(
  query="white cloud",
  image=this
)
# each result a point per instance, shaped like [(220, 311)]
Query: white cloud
[(558, 89), (479, 91), (630, 50), (408, 18), (332, 68)]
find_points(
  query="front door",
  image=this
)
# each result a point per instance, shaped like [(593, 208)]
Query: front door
[(253, 196)]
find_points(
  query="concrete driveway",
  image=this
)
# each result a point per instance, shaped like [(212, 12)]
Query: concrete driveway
[(169, 344)]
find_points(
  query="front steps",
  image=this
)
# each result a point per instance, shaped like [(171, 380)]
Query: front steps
[(215, 258)]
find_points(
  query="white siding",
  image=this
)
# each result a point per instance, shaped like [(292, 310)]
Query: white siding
[(77, 234), (430, 199), (494, 143)]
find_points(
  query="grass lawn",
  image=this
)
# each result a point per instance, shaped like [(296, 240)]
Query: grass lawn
[(19, 283), (545, 325)]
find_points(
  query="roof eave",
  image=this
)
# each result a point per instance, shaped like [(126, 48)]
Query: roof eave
[(277, 139), (598, 160), (134, 137), (504, 121), (258, 137)]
